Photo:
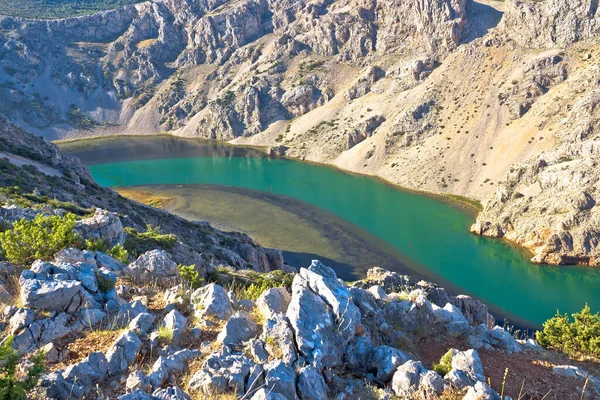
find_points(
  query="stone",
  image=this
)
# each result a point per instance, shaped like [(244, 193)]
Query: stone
[(129, 311), (378, 292), (105, 261), (103, 225), (264, 394), (311, 385), (273, 301), (123, 352), (51, 353), (51, 295), (89, 371), (142, 323), (279, 339), (280, 379), (579, 373), (239, 329), (223, 374), (137, 380), (155, 266), (481, 391), (21, 318), (176, 323), (385, 360), (171, 393), (452, 319), (211, 301)]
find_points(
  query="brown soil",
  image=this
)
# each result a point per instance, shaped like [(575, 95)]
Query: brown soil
[(80, 344), (529, 375)]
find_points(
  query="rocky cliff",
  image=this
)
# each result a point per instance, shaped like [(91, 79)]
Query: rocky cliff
[(445, 96)]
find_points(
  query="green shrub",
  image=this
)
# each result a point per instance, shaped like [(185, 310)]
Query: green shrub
[(445, 364), (96, 245), (118, 252), (104, 285), (13, 387), (41, 238), (577, 338), (263, 282), (190, 276), (137, 243)]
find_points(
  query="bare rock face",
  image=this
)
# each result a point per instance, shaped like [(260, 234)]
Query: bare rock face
[(548, 203), (551, 24)]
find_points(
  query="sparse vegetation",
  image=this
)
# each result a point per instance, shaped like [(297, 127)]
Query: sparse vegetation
[(15, 385), (40, 238), (137, 243), (445, 364)]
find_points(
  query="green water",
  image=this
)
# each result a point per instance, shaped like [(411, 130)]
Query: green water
[(432, 235)]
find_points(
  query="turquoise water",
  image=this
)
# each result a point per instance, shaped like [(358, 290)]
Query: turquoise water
[(433, 235)]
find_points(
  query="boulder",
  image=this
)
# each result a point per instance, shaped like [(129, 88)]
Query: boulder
[(123, 352), (279, 339), (452, 319), (142, 323), (223, 373), (103, 225), (384, 360), (176, 323), (280, 379), (411, 377), (311, 385), (467, 369), (155, 266), (51, 295), (273, 301), (481, 391), (211, 301), (129, 311), (239, 329), (89, 371), (21, 318)]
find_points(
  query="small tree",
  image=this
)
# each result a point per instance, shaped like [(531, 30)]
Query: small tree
[(41, 238), (190, 276), (578, 338), (13, 387)]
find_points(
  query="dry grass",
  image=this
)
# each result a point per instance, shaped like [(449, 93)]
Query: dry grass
[(144, 44), (145, 197), (81, 344)]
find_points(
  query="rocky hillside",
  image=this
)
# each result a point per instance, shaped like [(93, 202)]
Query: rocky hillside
[(37, 178), (455, 96), (235, 321)]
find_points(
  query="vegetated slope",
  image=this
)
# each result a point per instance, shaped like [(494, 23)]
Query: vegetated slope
[(36, 173), (456, 97), (50, 9)]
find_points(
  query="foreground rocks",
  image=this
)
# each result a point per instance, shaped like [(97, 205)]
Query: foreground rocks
[(322, 338)]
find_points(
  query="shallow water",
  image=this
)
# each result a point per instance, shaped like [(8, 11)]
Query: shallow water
[(424, 235)]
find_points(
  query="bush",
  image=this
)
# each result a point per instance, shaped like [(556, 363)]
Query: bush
[(137, 243), (96, 245), (579, 338), (41, 238), (263, 282), (118, 252), (445, 364), (190, 276), (13, 387)]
